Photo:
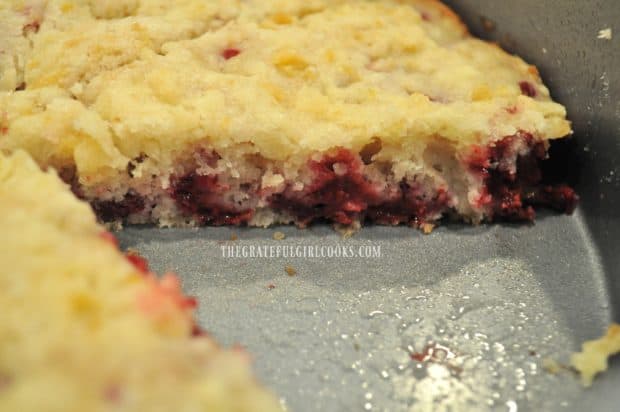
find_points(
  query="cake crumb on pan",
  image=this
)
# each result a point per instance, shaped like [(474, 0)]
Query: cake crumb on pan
[(594, 355), (605, 34)]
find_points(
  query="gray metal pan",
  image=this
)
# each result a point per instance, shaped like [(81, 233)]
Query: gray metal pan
[(463, 318)]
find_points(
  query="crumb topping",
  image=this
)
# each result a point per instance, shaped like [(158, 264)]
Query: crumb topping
[(97, 84)]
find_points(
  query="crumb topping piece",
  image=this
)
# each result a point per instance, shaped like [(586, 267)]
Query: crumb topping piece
[(594, 355)]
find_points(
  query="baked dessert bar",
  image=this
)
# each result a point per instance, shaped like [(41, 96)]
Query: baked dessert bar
[(263, 111), (85, 328)]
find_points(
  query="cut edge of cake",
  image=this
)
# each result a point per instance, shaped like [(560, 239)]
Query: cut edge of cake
[(239, 120)]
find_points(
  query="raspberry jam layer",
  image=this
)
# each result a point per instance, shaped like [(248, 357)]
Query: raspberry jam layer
[(506, 175), (511, 190), (112, 210), (201, 197), (106, 210), (341, 193)]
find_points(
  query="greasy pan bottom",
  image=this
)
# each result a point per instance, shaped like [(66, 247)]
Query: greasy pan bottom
[(461, 318)]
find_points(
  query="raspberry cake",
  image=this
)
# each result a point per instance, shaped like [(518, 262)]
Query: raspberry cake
[(85, 328), (267, 111)]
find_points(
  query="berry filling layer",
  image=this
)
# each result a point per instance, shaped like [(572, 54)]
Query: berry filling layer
[(512, 181), (501, 181), (203, 198), (341, 192)]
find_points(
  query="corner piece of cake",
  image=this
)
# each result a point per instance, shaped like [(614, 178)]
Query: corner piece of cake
[(85, 328), (230, 112)]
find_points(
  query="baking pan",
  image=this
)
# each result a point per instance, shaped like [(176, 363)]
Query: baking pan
[(465, 318)]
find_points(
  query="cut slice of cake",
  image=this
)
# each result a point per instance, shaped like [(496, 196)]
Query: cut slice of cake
[(85, 328), (263, 111)]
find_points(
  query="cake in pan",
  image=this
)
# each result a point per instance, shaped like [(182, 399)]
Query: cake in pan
[(268, 111), (85, 328)]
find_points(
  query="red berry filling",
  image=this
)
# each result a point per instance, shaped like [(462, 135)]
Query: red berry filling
[(511, 194), (410, 205), (106, 210), (528, 89), (32, 27), (201, 197), (340, 190), (112, 210), (340, 193), (230, 53), (198, 331), (138, 262)]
